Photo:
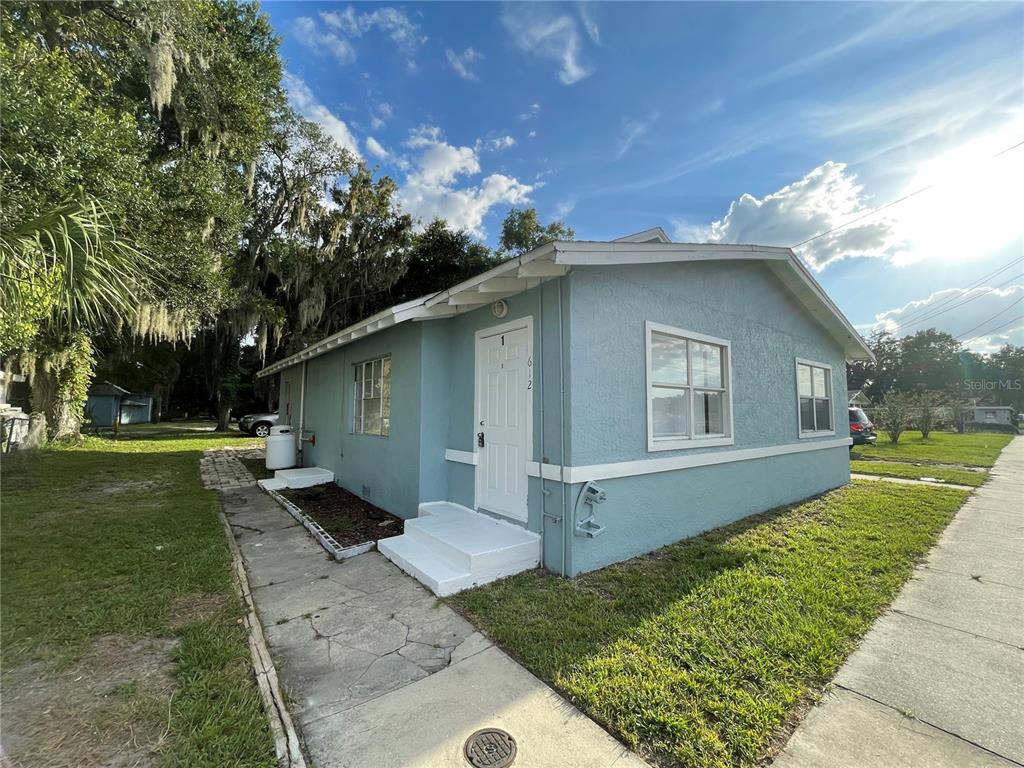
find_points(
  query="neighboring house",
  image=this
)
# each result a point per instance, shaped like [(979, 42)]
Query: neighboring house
[(859, 400), (993, 414), (107, 402), (600, 399)]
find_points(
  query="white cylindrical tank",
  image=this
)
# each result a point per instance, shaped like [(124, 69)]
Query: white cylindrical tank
[(280, 448)]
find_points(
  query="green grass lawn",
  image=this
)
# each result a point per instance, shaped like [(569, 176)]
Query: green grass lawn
[(979, 449), (916, 472), (119, 539), (698, 654)]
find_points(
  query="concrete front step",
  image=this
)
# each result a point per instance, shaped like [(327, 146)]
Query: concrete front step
[(450, 548), (305, 477)]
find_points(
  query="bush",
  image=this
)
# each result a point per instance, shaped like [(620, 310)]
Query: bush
[(928, 406), (896, 414)]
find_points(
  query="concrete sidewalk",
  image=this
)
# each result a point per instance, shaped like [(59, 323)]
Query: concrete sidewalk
[(939, 680), (379, 673)]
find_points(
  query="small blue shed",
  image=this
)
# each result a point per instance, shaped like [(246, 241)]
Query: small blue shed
[(581, 404), (107, 402)]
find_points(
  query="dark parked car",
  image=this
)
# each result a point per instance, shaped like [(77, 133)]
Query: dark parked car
[(861, 429), (257, 424)]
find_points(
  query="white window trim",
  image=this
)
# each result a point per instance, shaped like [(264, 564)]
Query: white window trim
[(357, 395), (675, 444), (811, 434)]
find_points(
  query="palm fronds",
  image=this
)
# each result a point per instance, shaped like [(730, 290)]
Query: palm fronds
[(95, 279)]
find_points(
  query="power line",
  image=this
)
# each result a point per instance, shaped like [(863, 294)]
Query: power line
[(985, 322), (927, 318), (921, 312), (881, 208), (993, 330)]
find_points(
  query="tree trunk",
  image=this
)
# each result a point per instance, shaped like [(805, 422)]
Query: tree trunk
[(158, 404), (62, 413), (223, 417), (60, 384)]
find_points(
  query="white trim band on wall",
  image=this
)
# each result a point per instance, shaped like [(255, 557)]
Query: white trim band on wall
[(582, 474), (462, 457)]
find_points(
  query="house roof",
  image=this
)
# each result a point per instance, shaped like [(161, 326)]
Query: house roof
[(555, 259), (106, 389)]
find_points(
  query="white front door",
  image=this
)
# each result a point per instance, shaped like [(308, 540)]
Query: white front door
[(504, 401)]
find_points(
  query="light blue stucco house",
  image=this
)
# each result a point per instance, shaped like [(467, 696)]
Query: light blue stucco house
[(581, 404)]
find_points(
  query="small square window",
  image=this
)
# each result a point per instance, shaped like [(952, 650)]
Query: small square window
[(371, 408), (689, 400), (814, 398)]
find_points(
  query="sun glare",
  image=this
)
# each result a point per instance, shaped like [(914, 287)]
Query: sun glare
[(976, 204)]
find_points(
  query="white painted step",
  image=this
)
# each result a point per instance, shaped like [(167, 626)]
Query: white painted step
[(475, 541), (271, 484), (440, 576), (305, 477), (450, 548)]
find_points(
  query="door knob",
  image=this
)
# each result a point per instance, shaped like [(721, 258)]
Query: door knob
[(480, 439)]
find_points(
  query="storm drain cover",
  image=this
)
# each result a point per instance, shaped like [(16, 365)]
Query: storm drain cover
[(490, 748)]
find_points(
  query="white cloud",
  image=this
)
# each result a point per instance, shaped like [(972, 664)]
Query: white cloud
[(314, 37), (531, 112), (375, 148), (986, 317), (424, 136), (896, 27), (306, 104), (959, 206), (589, 24), (633, 129), (556, 37), (565, 207), (337, 29), (430, 188), (500, 143), (532, 134), (825, 198), (463, 62), (380, 114)]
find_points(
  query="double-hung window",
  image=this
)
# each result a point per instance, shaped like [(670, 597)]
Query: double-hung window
[(689, 400), (371, 410), (814, 398)]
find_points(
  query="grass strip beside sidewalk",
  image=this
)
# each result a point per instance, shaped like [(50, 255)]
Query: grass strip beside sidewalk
[(919, 472), (118, 539), (701, 653), (978, 449)]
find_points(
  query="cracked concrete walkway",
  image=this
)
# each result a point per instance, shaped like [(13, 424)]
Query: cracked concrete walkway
[(380, 673), (939, 680)]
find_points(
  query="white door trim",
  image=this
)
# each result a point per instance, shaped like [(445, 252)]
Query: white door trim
[(483, 333)]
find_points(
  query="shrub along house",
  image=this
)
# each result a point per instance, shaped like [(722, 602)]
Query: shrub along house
[(581, 404)]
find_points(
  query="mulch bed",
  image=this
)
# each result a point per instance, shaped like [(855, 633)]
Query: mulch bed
[(345, 516)]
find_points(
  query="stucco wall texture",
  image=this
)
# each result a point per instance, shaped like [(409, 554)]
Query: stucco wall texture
[(596, 367)]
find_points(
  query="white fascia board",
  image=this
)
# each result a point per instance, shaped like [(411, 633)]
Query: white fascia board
[(584, 253), (654, 234)]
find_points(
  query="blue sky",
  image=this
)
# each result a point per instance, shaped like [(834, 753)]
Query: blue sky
[(724, 122)]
